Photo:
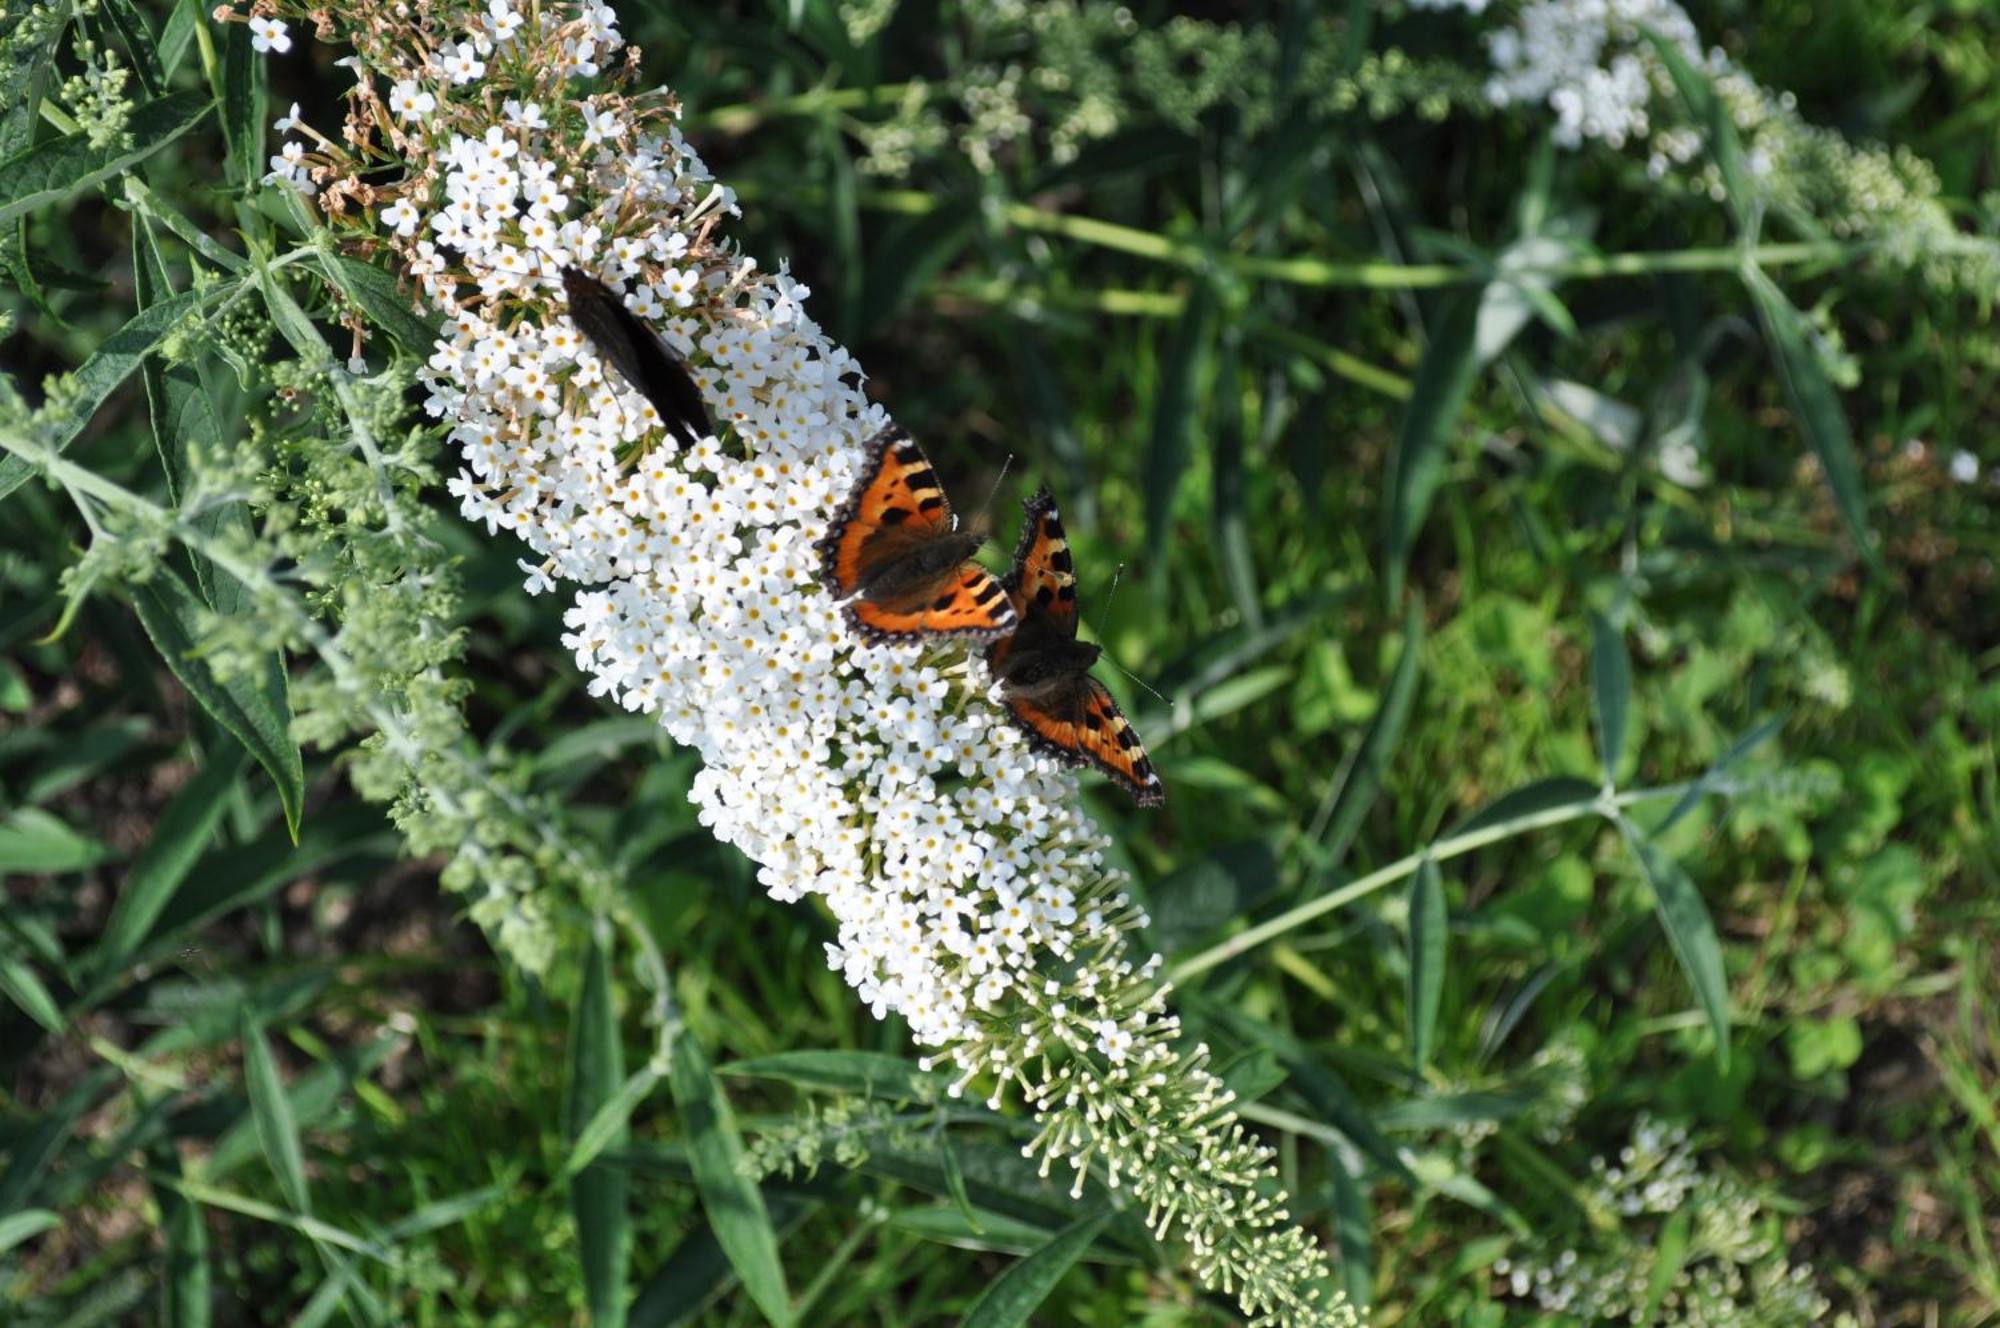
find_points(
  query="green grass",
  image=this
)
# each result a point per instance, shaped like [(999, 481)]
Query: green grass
[(1381, 575)]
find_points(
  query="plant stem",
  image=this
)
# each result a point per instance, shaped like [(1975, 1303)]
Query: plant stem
[(1452, 846)]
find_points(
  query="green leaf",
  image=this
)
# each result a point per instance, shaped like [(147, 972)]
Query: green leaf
[(696, 1270), (598, 1193), (1557, 793), (1353, 1233), (1689, 930), (1359, 780), (1427, 955), (608, 1124), (23, 988), (1009, 1302), (243, 111), (872, 1073), (32, 840), (1670, 1254), (138, 39), (178, 839), (735, 1206), (255, 708), (51, 171), (1610, 693), (1416, 465), (184, 1289), (387, 306), (1708, 110), (1198, 898), (954, 1179), (25, 1225), (271, 1111), (1816, 404), (1711, 780), (309, 1097), (1176, 406), (107, 368)]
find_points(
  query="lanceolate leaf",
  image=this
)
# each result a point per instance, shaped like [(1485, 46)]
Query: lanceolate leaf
[(178, 839), (734, 1204), (255, 707), (1010, 1302), (1610, 692), (1816, 404), (1689, 930), (386, 306), (1417, 464), (1427, 957), (108, 366), (243, 117), (1176, 403), (598, 1193), (1360, 778), (51, 171), (271, 1110)]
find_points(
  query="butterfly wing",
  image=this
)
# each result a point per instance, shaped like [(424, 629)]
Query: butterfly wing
[(893, 553), (639, 353), (1042, 586), (1082, 725)]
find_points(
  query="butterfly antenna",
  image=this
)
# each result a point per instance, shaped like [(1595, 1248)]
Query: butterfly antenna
[(1109, 595), (993, 492)]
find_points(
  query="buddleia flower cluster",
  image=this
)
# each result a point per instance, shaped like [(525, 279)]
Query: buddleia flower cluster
[(486, 151), (1733, 1268)]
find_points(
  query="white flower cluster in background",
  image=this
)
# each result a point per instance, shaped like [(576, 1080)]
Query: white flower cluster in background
[(970, 893)]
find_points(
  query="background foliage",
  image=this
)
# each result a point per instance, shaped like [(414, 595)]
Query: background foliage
[(1216, 277)]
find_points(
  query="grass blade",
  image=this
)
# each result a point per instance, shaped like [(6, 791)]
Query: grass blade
[(23, 988), (609, 1122), (1610, 693), (1360, 779), (184, 1289), (25, 1225), (1416, 465), (52, 171), (1024, 1286), (1817, 406), (598, 1193), (1176, 404), (271, 1111), (255, 708), (183, 832), (32, 840), (1689, 930), (1427, 955), (734, 1204)]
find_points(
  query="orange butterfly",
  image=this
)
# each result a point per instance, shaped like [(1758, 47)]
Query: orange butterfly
[(896, 555), (1044, 671)]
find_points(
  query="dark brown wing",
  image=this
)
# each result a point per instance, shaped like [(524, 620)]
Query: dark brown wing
[(639, 353), (1082, 725)]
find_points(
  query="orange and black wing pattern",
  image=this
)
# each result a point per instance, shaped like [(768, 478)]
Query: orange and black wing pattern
[(898, 561), (1044, 670)]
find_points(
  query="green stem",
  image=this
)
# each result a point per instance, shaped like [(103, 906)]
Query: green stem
[(1605, 804), (746, 116)]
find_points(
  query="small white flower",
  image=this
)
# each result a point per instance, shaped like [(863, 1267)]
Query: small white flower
[(410, 100), (462, 64), (268, 34), (401, 217), (287, 122)]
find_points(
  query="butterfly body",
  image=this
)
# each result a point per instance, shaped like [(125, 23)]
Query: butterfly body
[(896, 558), (639, 353), (1044, 671)]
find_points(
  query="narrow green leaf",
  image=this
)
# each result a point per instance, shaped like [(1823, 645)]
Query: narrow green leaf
[(271, 1110), (255, 708), (1708, 110), (51, 171), (873, 1073), (1554, 794), (1712, 778), (1610, 693), (386, 305), (1416, 465), (1359, 780), (32, 840), (598, 1192), (243, 112), (697, 1270), (179, 837), (1817, 406), (608, 1124), (138, 39), (1670, 1254), (25, 989), (1353, 1233), (309, 1097), (184, 1289), (735, 1206), (954, 1179), (445, 1212), (1230, 484), (1689, 930), (1176, 406), (1427, 957), (25, 1225), (108, 366), (33, 1147), (1009, 1302)]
